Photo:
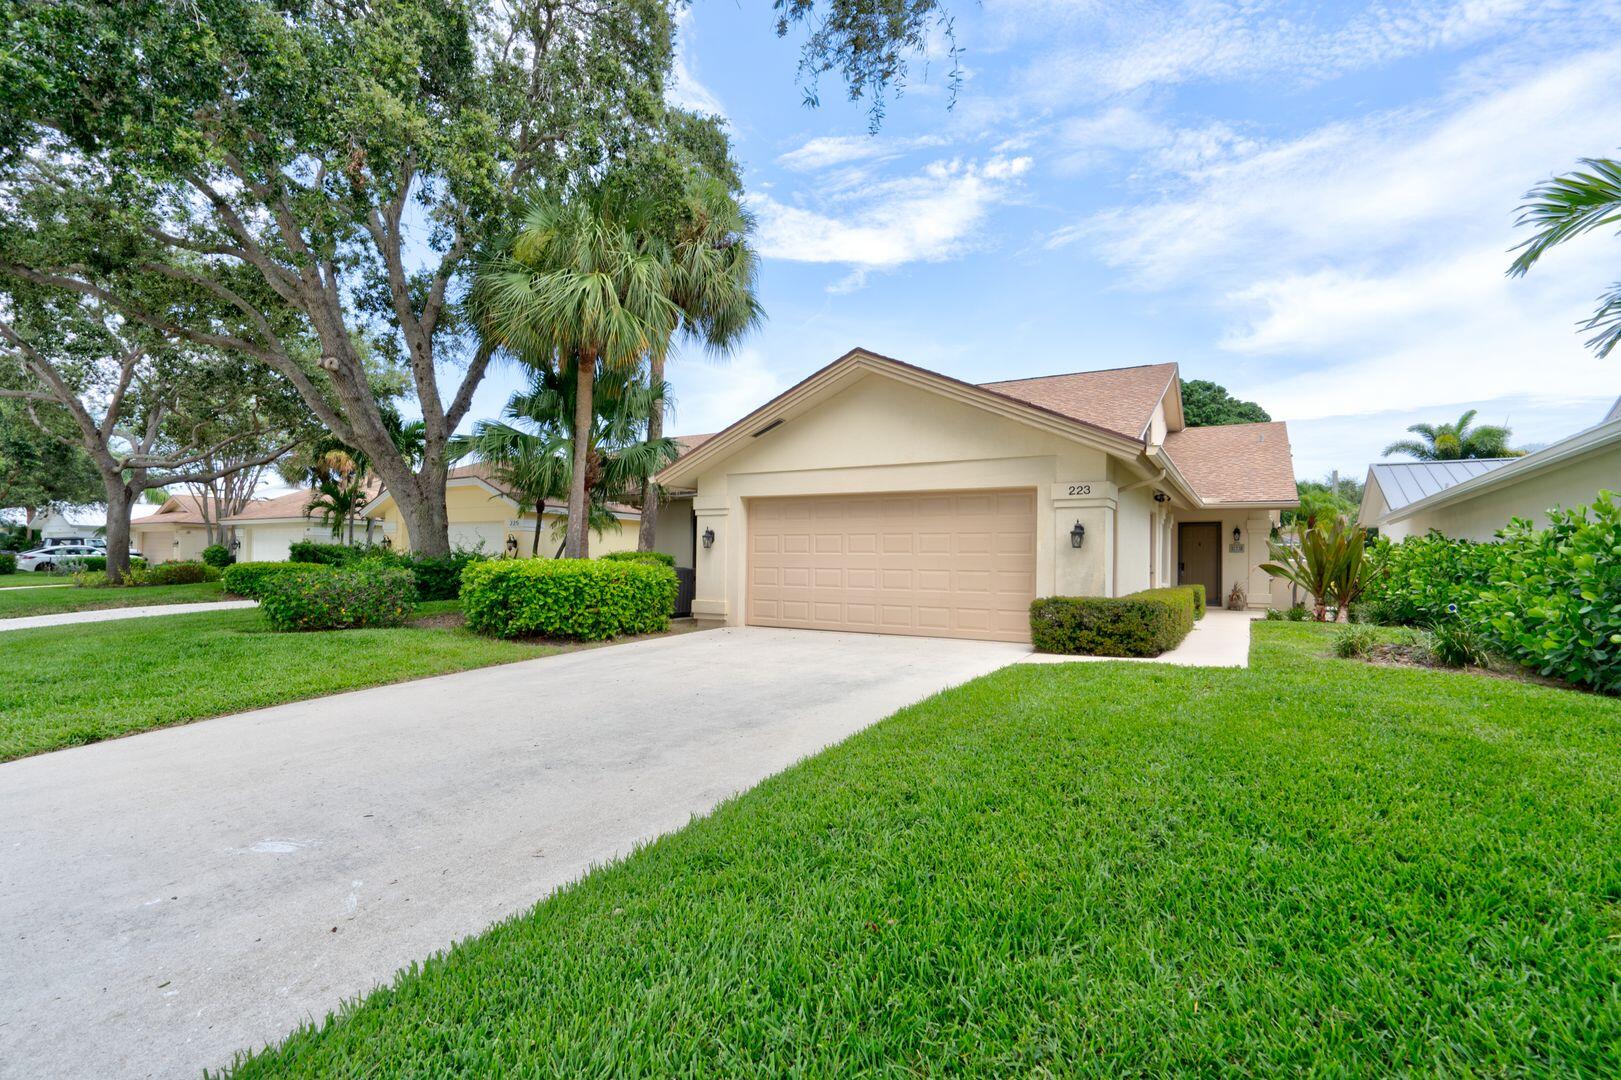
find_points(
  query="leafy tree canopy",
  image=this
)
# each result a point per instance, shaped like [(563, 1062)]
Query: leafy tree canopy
[(1207, 404), (1451, 442), (40, 463)]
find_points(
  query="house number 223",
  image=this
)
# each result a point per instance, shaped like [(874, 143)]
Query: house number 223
[(1080, 489)]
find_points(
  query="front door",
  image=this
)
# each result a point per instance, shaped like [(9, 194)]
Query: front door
[(1198, 556)]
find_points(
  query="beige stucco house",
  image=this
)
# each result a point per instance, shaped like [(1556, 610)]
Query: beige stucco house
[(483, 515), (1472, 500), (881, 497), (177, 532)]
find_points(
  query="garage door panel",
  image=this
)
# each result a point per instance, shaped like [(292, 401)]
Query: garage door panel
[(947, 564)]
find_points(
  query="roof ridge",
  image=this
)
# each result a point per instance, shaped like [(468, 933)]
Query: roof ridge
[(1084, 371)]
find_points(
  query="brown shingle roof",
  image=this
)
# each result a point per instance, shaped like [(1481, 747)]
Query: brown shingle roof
[(176, 510), (1236, 463), (482, 471), (1120, 400), (289, 505)]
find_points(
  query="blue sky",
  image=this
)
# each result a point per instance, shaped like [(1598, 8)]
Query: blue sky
[(1310, 204)]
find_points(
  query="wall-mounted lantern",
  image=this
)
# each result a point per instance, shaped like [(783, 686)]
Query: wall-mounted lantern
[(709, 538), (388, 545), (1161, 497), (512, 546), (1238, 535), (1077, 535), (236, 544)]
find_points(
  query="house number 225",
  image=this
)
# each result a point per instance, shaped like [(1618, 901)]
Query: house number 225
[(1080, 489)]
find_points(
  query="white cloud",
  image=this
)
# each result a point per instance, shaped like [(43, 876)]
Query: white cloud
[(684, 89), (830, 150), (927, 217), (709, 394)]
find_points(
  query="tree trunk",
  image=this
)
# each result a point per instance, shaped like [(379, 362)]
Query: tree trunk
[(578, 543), (426, 519), (540, 519), (655, 430), (119, 502)]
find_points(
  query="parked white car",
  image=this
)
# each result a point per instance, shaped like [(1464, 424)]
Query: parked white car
[(58, 557)]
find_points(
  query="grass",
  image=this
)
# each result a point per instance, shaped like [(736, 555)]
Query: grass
[(15, 604), (1313, 866), (20, 580), (67, 685)]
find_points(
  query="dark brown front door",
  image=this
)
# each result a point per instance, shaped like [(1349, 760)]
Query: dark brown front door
[(1198, 553)]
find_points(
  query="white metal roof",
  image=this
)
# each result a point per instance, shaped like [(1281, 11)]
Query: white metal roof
[(1404, 482)]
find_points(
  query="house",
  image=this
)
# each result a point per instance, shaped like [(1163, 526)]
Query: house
[(1473, 499), (176, 532), (881, 497), (483, 516)]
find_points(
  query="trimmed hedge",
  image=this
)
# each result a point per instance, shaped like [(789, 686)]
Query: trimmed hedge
[(218, 555), (660, 557), (337, 598), (438, 577), (175, 573), (247, 578), (8, 562), (309, 551), (99, 562), (1142, 624), (581, 599), (1192, 595)]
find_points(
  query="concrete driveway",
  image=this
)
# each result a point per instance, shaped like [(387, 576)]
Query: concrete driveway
[(173, 897)]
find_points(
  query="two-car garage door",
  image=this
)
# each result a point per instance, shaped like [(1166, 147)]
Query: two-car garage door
[(940, 564)]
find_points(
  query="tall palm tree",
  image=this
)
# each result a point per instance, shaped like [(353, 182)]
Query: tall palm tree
[(1452, 442), (710, 273), (1564, 208), (578, 289), (531, 450)]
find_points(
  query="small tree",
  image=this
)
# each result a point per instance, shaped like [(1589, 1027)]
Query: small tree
[(1207, 404)]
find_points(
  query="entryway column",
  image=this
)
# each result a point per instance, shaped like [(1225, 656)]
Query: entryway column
[(1089, 569), (711, 520)]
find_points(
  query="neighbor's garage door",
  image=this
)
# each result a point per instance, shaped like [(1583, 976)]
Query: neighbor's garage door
[(937, 564)]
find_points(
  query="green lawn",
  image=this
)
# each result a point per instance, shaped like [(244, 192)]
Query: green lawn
[(1313, 866), (20, 580), (16, 604), (66, 685)]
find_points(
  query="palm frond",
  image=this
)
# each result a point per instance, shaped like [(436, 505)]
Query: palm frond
[(1568, 206)]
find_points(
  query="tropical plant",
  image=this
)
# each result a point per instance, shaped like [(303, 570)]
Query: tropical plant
[(1564, 208), (339, 492), (531, 450), (710, 272), (1329, 560), (1452, 442)]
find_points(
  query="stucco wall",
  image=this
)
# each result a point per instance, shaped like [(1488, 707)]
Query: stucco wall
[(1242, 567), (156, 543), (880, 435), (1134, 543), (1567, 484), (674, 532)]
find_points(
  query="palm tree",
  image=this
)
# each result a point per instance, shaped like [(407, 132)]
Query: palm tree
[(533, 454), (711, 270), (579, 288), (1566, 207), (1452, 442), (339, 492)]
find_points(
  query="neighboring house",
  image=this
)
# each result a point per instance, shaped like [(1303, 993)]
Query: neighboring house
[(880, 497), (175, 533), (1473, 499), (483, 515), (82, 526)]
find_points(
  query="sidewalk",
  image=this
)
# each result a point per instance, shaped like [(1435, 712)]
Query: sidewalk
[(68, 618)]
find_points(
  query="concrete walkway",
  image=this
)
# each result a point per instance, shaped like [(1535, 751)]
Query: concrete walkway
[(171, 898), (68, 618), (58, 585), (1220, 639)]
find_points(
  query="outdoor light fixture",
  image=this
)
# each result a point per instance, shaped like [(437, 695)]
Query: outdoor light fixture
[(1161, 497), (1077, 534), (388, 544), (709, 538), (236, 544), (512, 546), (1238, 535)]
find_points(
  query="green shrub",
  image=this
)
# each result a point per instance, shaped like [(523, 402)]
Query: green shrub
[(1274, 615), (309, 551), (1191, 595), (1298, 613), (439, 577), (1421, 577), (8, 562), (337, 598), (1198, 600), (99, 562), (218, 555), (1553, 601), (246, 578), (660, 557), (1143, 624), (1354, 641), (581, 599), (175, 573), (1455, 643)]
